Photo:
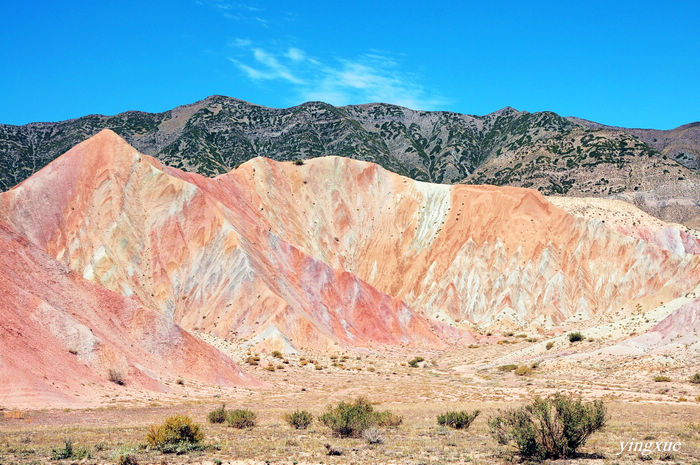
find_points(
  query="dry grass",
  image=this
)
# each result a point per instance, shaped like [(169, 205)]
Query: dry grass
[(459, 380)]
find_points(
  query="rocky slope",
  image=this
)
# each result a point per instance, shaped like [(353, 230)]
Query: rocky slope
[(118, 219), (539, 150), (334, 251), (61, 335)]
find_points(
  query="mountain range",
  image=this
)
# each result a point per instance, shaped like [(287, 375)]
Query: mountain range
[(653, 169)]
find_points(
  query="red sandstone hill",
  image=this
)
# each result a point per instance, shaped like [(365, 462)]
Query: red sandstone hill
[(120, 250)]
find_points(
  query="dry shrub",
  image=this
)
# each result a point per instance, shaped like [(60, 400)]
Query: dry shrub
[(549, 428)]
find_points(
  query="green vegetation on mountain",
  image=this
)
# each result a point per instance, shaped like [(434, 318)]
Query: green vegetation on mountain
[(542, 150)]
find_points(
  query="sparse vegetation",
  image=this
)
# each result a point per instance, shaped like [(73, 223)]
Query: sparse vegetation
[(127, 459), (457, 420), (69, 452), (413, 363), (388, 419), (177, 433), (373, 436), (509, 367), (695, 379), (217, 415), (277, 354), (549, 345), (523, 370), (332, 450), (116, 376), (575, 337), (241, 418), (553, 427), (661, 379), (299, 419)]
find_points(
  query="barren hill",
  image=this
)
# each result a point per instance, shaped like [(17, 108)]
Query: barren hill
[(107, 253)]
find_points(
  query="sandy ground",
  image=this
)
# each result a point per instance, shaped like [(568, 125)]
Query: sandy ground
[(639, 408)]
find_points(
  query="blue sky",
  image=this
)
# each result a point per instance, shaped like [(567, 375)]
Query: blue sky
[(634, 64)]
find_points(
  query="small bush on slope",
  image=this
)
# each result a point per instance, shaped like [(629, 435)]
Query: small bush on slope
[(241, 418), (299, 419), (178, 431), (351, 419), (217, 415), (457, 420), (553, 427)]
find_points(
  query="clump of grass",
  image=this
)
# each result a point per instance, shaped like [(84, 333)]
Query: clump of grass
[(218, 415), (575, 337), (299, 419), (549, 428), (373, 436), (549, 345), (388, 419), (332, 450), (116, 376), (413, 363), (457, 420), (70, 452), (277, 354), (661, 379), (178, 433), (127, 459), (252, 360), (523, 370), (506, 368), (241, 418), (695, 379)]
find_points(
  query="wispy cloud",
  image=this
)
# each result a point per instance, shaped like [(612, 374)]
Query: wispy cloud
[(371, 77)]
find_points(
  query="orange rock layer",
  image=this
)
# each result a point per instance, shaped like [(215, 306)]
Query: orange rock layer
[(332, 252)]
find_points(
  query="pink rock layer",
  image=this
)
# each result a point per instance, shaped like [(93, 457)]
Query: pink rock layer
[(60, 335)]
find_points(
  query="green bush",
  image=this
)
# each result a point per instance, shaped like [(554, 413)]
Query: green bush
[(217, 415), (414, 362), (350, 419), (549, 428), (176, 431), (241, 418), (695, 379), (575, 337), (299, 419), (661, 379), (457, 420), (69, 452)]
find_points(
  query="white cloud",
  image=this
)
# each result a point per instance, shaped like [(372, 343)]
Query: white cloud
[(372, 77), (241, 43), (295, 54)]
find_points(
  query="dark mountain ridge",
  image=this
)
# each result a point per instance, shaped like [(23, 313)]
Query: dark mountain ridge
[(657, 170)]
